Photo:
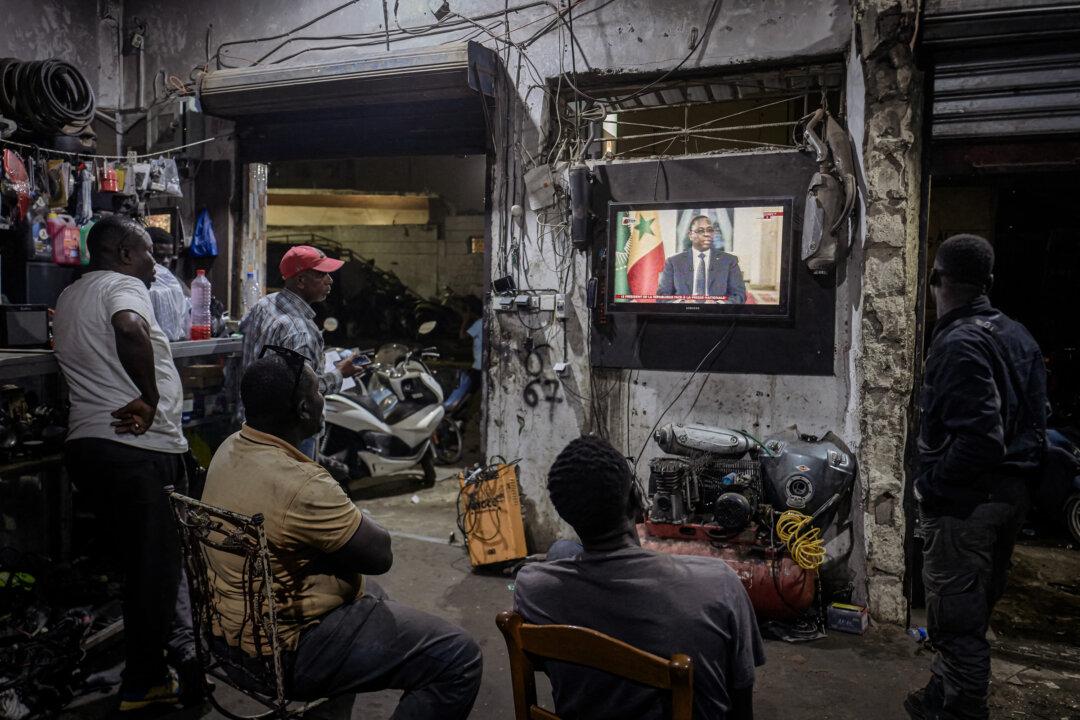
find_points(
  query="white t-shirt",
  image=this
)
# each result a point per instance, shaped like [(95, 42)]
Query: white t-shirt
[(98, 384)]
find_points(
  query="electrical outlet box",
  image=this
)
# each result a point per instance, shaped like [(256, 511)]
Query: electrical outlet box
[(522, 301), (562, 305), (561, 369), (503, 303), (535, 302), (547, 302)]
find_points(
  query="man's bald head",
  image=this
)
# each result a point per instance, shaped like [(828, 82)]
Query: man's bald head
[(120, 244)]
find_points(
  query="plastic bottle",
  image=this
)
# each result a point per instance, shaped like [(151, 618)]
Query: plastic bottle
[(252, 291), (84, 252), (918, 634), (65, 239), (200, 307)]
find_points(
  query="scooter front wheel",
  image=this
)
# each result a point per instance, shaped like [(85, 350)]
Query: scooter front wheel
[(427, 464)]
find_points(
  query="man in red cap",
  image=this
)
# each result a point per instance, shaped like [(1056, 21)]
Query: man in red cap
[(286, 319)]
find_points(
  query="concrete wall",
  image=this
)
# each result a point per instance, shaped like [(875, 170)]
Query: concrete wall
[(457, 180), (867, 397), (72, 31), (885, 367)]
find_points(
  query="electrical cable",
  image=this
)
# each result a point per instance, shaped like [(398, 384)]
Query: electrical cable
[(719, 344), (377, 38), (714, 13), (803, 540)]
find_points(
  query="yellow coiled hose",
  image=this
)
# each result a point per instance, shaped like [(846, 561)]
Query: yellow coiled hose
[(803, 541)]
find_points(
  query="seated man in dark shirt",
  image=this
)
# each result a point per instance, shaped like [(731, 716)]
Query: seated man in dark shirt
[(659, 603)]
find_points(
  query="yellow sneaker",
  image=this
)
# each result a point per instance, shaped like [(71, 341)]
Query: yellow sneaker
[(167, 693)]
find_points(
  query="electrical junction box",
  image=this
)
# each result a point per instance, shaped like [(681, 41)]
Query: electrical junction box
[(540, 184), (562, 306), (547, 302)]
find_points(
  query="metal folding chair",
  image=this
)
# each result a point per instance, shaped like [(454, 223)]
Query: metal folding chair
[(205, 529)]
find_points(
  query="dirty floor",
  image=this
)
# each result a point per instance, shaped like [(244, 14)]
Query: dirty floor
[(1036, 671)]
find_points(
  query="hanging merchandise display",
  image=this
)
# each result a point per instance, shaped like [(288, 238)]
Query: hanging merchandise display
[(50, 199)]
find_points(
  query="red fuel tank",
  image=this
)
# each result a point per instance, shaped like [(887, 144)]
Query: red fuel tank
[(778, 588)]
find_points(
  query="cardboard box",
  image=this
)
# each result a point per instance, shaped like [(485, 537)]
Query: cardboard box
[(491, 513), (848, 618)]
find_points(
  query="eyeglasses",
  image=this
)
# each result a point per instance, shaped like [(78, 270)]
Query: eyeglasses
[(710, 230), (293, 359)]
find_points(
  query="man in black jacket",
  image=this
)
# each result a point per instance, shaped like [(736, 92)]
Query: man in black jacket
[(983, 425)]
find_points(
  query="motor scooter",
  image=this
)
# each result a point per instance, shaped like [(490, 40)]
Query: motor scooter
[(383, 425)]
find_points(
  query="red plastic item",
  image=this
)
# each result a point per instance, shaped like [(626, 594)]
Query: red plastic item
[(65, 239), (778, 588), (19, 180), (107, 181)]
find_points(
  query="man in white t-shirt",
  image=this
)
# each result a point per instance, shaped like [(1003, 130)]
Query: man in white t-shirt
[(125, 444)]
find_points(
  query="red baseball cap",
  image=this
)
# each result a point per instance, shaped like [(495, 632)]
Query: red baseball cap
[(305, 257)]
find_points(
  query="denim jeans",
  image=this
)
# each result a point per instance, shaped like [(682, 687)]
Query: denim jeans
[(374, 643)]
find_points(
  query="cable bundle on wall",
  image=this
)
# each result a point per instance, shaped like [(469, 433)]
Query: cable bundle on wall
[(47, 97)]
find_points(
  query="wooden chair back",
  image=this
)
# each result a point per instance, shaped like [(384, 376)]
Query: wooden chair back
[(581, 646)]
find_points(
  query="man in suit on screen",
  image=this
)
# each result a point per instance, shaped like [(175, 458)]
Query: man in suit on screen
[(702, 271)]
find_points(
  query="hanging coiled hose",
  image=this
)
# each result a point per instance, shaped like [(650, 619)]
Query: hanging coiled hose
[(803, 540), (49, 97)]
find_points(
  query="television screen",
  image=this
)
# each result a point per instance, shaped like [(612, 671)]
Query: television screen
[(727, 258)]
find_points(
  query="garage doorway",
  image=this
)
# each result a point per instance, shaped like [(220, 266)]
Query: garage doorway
[(386, 162), (1023, 201)]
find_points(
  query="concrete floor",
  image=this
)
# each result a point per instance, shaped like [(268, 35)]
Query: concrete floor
[(838, 678)]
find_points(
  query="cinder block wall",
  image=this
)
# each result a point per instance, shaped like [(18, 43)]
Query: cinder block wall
[(422, 257)]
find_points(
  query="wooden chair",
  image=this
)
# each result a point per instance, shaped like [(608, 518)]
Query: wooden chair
[(202, 528), (581, 646)]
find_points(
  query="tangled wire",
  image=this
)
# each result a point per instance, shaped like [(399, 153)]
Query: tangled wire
[(802, 539), (49, 97)]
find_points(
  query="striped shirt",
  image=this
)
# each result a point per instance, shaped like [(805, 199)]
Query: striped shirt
[(286, 319)]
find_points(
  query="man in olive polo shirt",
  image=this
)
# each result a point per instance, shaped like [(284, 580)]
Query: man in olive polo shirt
[(343, 636)]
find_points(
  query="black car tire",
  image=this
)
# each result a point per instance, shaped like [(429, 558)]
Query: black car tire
[(1072, 517)]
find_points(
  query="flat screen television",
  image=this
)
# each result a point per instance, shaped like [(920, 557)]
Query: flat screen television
[(727, 258)]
